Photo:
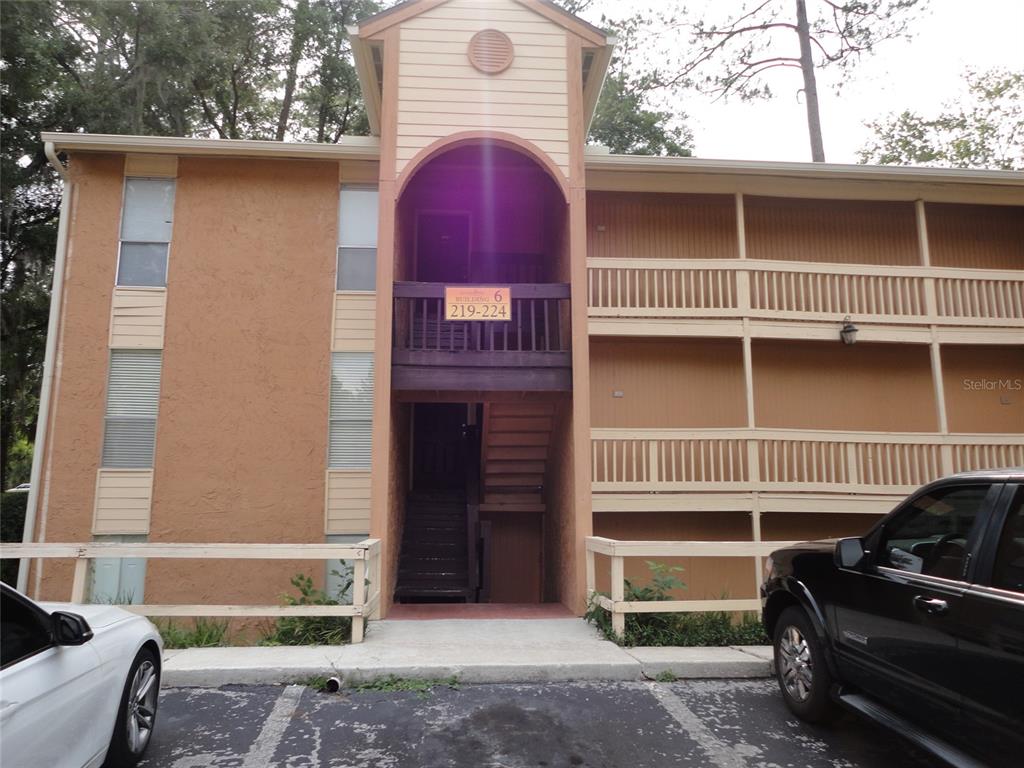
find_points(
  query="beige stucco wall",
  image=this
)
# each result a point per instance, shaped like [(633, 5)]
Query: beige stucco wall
[(76, 436), (242, 433)]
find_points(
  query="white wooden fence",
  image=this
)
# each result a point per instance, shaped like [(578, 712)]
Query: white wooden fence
[(676, 460), (719, 288), (618, 551), (365, 558)]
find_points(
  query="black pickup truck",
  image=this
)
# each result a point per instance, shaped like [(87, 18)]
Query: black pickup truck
[(918, 625)]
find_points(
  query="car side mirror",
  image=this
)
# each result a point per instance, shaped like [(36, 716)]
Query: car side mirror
[(70, 628), (849, 553)]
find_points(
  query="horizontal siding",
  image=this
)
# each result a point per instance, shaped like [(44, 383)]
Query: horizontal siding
[(975, 236), (354, 322), (348, 502), (440, 93), (137, 318), (660, 226), (151, 166), (124, 498), (836, 231)]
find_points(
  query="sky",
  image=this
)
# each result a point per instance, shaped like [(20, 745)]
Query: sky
[(920, 74)]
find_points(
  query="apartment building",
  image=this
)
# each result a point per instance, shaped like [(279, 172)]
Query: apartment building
[(479, 340)]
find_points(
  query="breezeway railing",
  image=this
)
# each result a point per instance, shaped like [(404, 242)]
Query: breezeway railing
[(617, 551), (364, 556)]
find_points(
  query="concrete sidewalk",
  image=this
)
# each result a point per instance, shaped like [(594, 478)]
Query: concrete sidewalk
[(488, 651)]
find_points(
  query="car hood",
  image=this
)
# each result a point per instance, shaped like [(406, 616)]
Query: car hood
[(98, 616)]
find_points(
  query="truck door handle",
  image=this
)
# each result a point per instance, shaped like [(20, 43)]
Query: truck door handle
[(931, 605)]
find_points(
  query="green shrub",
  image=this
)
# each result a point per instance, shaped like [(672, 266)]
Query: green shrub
[(713, 628), (312, 630), (202, 634), (12, 525)]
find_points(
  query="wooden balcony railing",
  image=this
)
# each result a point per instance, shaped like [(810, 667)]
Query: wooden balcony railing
[(537, 338), (673, 460), (674, 288)]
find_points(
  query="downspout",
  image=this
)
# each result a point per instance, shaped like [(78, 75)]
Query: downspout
[(42, 423)]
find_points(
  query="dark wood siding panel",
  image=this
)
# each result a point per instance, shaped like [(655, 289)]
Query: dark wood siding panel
[(661, 226), (821, 385), (831, 231), (683, 383), (976, 236)]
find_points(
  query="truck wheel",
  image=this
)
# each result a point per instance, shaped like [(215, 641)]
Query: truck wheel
[(800, 667)]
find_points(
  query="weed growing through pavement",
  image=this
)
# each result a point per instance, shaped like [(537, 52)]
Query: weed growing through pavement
[(393, 683)]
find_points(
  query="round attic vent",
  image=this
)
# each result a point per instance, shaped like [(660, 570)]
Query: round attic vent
[(490, 51)]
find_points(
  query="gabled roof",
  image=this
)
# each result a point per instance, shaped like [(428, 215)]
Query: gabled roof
[(366, 50), (411, 8)]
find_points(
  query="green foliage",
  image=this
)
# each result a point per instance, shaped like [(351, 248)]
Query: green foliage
[(316, 682), (393, 683), (984, 130), (665, 677), (202, 634), (312, 630), (12, 524), (714, 628), (625, 126)]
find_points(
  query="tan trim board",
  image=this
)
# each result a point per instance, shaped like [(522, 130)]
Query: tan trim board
[(123, 501), (152, 166), (137, 318)]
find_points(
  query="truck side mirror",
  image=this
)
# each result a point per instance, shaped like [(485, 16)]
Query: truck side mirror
[(849, 553)]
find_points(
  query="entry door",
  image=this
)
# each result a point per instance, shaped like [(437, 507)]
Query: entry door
[(439, 447), (442, 247), (898, 624)]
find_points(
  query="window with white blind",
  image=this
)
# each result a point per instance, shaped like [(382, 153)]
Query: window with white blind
[(133, 394), (351, 410), (357, 238), (146, 223)]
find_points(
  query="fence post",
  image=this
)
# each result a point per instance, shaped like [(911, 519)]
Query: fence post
[(618, 587), (591, 574), (78, 582), (359, 598)]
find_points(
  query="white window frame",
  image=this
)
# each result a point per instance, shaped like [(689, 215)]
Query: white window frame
[(120, 230), (351, 246)]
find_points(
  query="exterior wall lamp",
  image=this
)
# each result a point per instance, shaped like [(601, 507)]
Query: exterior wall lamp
[(848, 333)]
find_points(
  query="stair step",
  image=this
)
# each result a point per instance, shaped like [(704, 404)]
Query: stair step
[(499, 508), (515, 467), (495, 439), (536, 408), (511, 481), (520, 424), (431, 590), (512, 498), (516, 453)]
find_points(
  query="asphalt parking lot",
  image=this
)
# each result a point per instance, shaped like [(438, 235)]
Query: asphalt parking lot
[(719, 723)]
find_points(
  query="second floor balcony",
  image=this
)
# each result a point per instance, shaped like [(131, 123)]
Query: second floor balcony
[(530, 351)]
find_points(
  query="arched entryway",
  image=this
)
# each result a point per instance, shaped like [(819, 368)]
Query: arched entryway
[(484, 389)]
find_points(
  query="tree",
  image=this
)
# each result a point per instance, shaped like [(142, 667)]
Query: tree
[(986, 130), (261, 69), (735, 57), (623, 120)]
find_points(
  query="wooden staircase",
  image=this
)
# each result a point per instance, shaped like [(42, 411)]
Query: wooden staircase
[(514, 452), (434, 563)]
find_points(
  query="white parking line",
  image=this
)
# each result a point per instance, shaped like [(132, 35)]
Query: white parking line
[(262, 750), (719, 753)]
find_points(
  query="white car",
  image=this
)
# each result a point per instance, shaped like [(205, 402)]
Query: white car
[(78, 683)]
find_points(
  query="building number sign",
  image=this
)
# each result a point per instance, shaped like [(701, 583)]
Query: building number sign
[(476, 302)]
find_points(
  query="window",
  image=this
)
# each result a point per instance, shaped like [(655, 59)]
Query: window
[(351, 410), (357, 239), (133, 394), (931, 536), (118, 580), (23, 629), (1008, 572), (146, 223)]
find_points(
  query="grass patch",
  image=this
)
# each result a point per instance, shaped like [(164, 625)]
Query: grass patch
[(713, 628), (393, 684), (311, 630), (202, 634), (665, 677)]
